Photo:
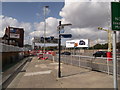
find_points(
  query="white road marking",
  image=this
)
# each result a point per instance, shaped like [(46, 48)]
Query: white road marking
[(38, 73), (55, 63), (41, 66), (57, 67)]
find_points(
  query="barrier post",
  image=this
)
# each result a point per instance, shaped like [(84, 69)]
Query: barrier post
[(79, 57), (108, 66), (109, 56), (53, 54)]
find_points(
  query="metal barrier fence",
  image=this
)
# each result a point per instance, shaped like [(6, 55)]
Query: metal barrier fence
[(10, 54), (10, 48), (101, 64)]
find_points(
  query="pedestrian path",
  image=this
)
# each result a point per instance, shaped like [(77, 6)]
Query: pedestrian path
[(43, 74)]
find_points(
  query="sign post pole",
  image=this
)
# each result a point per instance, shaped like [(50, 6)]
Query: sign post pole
[(114, 62), (115, 13), (59, 45), (61, 26)]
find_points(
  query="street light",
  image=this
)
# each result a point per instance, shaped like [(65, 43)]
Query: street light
[(109, 38), (45, 9), (61, 26), (34, 40)]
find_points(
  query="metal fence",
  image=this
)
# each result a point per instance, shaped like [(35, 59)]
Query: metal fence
[(101, 64), (11, 48), (10, 54)]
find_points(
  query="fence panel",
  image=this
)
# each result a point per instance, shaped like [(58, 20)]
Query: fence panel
[(98, 64)]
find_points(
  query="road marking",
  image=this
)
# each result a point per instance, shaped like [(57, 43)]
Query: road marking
[(38, 73), (57, 67), (41, 66), (55, 63)]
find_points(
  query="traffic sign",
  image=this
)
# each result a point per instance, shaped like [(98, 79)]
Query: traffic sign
[(115, 13), (66, 35)]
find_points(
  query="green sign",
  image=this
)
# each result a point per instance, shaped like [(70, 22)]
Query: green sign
[(115, 11)]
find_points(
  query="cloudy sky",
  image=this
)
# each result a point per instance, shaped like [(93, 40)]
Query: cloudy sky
[(85, 18)]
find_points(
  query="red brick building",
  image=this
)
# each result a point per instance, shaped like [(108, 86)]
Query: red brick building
[(13, 36)]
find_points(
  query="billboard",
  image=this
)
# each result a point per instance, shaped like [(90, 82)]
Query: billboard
[(77, 43)]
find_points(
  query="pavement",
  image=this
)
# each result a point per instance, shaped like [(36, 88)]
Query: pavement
[(44, 74)]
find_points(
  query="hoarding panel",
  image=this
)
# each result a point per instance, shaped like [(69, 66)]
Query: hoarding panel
[(79, 42)]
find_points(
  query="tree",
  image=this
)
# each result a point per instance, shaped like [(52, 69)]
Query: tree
[(100, 46)]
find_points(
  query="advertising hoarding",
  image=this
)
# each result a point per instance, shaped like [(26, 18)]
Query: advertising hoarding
[(79, 42)]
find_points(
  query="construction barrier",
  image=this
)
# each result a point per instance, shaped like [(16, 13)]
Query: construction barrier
[(109, 55)]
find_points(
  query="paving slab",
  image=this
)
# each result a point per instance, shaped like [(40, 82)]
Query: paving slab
[(44, 74)]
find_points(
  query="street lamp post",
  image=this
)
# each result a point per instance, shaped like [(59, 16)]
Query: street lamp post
[(34, 41), (45, 9), (109, 38), (61, 26)]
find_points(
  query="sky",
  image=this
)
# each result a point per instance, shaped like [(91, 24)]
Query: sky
[(31, 11), (85, 18)]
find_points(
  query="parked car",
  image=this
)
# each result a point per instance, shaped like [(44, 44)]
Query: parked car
[(66, 53), (100, 54)]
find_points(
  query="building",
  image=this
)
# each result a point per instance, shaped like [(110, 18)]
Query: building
[(50, 39), (13, 36)]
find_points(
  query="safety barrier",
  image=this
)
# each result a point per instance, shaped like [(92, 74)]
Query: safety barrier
[(10, 48), (101, 64), (10, 54)]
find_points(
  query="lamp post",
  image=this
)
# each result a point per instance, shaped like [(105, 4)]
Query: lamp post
[(61, 26), (34, 40), (109, 55), (45, 9), (109, 38)]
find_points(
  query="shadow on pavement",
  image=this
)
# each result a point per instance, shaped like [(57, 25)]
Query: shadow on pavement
[(76, 74)]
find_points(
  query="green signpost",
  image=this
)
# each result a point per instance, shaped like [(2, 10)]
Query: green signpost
[(115, 12)]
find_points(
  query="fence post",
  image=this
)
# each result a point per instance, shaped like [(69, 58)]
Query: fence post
[(79, 61), (108, 66), (53, 58), (71, 57)]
